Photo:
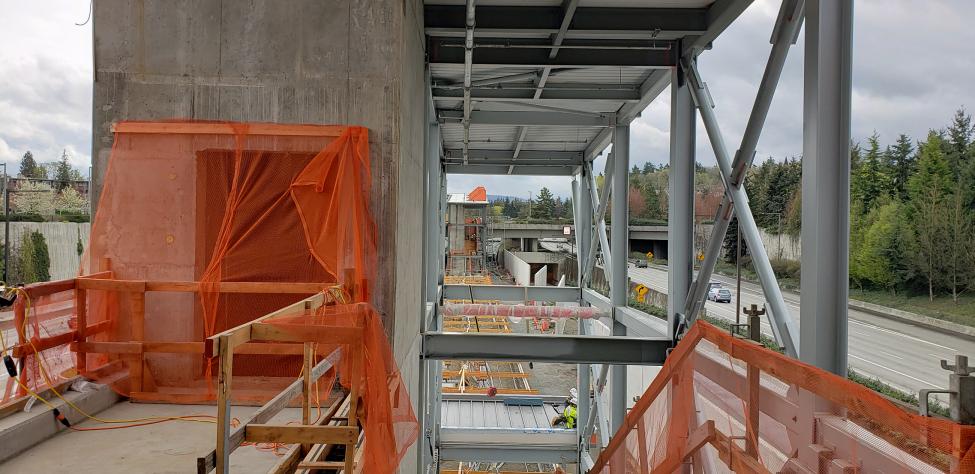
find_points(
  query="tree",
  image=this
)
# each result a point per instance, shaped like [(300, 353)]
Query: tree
[(29, 167), (62, 172), (544, 207), (901, 161), (635, 170), (648, 168), (870, 180), (929, 189), (70, 200), (636, 202), (33, 261), (792, 221), (878, 252), (960, 249), (958, 141), (731, 242), (33, 198)]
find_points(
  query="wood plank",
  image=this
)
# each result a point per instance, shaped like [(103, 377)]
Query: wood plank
[(224, 377), (263, 348), (305, 333), (108, 274), (242, 333), (734, 457), (41, 344), (274, 406), (698, 438), (36, 290), (137, 321), (81, 309), (321, 465), (111, 285), (193, 128), (289, 434), (300, 288), (483, 374)]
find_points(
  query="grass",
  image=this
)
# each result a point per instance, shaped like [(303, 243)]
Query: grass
[(942, 307), (769, 343)]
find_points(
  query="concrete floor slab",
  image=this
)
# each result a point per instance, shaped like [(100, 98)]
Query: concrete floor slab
[(170, 447)]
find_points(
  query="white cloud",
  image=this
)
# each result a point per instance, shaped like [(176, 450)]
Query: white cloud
[(46, 77)]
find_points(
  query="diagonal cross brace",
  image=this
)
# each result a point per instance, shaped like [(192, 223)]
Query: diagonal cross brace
[(735, 198), (599, 218)]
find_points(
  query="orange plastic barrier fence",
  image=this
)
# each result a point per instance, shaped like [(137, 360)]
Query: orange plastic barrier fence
[(202, 227), (726, 404)]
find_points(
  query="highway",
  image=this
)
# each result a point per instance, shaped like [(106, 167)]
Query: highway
[(904, 356)]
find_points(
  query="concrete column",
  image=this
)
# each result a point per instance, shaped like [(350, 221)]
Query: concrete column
[(826, 184), (619, 248), (680, 220)]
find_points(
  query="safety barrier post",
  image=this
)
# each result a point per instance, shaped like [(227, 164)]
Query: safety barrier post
[(81, 310)]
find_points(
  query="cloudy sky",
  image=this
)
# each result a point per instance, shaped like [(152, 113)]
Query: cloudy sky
[(913, 66)]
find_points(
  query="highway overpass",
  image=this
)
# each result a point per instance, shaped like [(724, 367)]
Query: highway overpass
[(642, 237)]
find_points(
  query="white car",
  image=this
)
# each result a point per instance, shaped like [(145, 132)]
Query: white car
[(720, 295)]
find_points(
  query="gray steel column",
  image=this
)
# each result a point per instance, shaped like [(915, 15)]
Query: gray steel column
[(680, 212), (619, 250), (583, 225), (432, 211), (826, 184)]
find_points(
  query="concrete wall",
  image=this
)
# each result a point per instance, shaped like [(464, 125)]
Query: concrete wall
[(357, 62), (782, 245), (540, 276), (519, 269)]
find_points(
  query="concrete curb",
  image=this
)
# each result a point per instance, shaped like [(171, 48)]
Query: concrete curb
[(21, 431), (940, 325)]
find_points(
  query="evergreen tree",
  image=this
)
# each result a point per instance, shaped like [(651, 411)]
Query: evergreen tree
[(901, 161), (62, 172), (875, 259), (958, 141), (961, 249), (28, 167), (635, 170), (731, 242), (648, 168), (870, 181), (929, 190), (42, 259), (544, 207)]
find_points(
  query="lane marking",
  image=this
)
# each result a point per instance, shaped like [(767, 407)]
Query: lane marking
[(895, 371)]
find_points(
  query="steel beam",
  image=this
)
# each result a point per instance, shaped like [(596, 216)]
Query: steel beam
[(512, 293), (552, 92), (499, 155), (482, 451), (826, 184), (784, 34), (783, 327), (522, 170), (620, 287), (589, 22), (718, 16), (662, 55), (545, 348), (527, 118), (680, 231), (583, 223)]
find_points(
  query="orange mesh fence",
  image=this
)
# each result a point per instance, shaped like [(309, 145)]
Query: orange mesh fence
[(202, 227), (724, 404), (388, 421)]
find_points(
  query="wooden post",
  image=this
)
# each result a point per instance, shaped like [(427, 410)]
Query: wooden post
[(754, 381), (20, 318), (306, 382), (137, 305), (354, 391), (224, 376), (81, 309)]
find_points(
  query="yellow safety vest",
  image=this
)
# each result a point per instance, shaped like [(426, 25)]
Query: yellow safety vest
[(570, 417)]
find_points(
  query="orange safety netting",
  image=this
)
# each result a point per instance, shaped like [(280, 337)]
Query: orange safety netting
[(703, 407), (215, 203)]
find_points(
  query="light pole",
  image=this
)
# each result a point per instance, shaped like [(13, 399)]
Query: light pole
[(529, 205)]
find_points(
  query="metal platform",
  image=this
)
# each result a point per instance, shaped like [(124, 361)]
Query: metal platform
[(482, 429)]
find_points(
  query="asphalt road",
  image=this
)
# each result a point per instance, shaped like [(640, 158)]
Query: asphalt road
[(904, 356)]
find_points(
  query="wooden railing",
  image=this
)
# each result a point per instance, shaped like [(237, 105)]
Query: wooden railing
[(132, 293)]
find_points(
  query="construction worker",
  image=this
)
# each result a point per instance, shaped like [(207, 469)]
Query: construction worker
[(568, 415)]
